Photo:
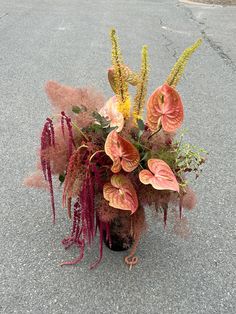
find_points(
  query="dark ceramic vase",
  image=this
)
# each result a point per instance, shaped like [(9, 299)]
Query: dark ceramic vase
[(120, 240)]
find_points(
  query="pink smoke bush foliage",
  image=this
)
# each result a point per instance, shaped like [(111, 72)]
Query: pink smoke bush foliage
[(189, 199), (63, 98), (36, 180)]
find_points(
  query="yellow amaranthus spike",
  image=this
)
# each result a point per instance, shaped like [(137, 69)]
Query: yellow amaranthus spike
[(178, 69), (121, 86), (140, 97)]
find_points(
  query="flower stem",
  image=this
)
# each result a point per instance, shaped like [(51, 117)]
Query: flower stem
[(98, 151), (80, 131), (158, 130)]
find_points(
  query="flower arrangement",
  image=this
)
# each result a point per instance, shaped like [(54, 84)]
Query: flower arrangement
[(113, 162)]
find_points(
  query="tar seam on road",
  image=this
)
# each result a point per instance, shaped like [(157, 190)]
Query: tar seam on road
[(217, 48)]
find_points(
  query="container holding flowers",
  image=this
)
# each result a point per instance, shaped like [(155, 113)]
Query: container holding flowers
[(113, 162)]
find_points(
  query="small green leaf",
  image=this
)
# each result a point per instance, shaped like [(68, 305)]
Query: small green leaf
[(182, 163), (141, 124), (61, 178), (103, 121), (109, 129), (76, 109), (146, 156), (140, 133), (95, 128)]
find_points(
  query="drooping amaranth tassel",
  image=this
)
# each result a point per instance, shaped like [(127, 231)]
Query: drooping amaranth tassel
[(47, 142)]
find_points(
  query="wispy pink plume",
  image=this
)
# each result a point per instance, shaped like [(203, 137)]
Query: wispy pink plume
[(189, 199), (181, 226), (105, 212), (160, 139), (63, 98), (36, 180)]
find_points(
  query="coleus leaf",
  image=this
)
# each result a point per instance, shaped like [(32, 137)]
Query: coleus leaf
[(120, 193), (123, 154), (161, 177), (165, 109)]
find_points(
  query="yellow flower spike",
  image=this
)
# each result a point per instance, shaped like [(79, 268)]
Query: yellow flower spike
[(124, 108), (121, 86), (178, 69), (140, 97)]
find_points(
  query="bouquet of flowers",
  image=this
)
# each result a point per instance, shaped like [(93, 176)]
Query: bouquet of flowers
[(112, 162)]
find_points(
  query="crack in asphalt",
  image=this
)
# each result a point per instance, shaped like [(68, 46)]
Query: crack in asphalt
[(216, 47), (3, 15), (169, 43)]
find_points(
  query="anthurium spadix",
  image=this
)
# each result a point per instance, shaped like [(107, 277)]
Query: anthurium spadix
[(160, 176), (165, 109), (120, 193)]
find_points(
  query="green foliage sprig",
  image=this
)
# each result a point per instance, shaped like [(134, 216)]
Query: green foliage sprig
[(188, 157)]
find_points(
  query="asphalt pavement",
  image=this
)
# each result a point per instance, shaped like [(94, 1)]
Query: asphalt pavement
[(68, 41)]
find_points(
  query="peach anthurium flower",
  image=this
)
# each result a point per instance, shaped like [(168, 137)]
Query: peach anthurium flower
[(160, 177), (129, 76), (120, 193), (123, 154), (111, 78), (165, 109), (111, 113)]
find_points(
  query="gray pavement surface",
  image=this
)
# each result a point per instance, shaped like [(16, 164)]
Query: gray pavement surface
[(68, 41)]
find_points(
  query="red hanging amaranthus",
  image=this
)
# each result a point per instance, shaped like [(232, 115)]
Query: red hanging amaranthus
[(47, 142), (72, 172), (76, 235), (165, 209), (84, 227), (71, 142)]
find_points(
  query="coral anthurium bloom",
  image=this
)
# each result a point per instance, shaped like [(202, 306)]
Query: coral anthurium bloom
[(160, 177), (111, 78), (165, 109), (123, 154), (111, 113), (121, 193)]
